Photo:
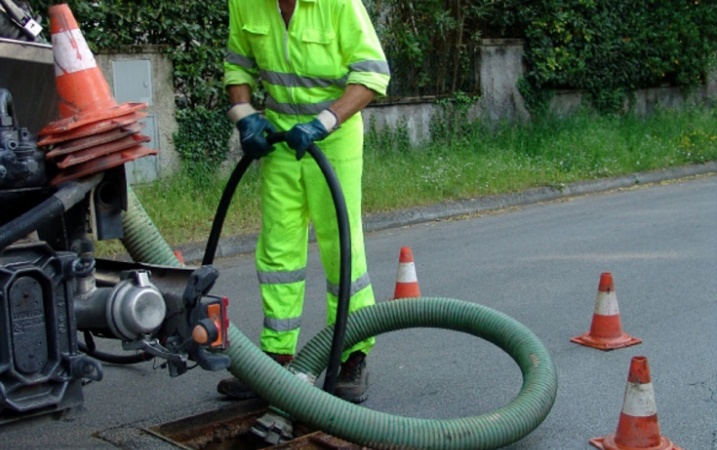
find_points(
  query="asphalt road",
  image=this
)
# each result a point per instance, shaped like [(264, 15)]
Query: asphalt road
[(538, 263)]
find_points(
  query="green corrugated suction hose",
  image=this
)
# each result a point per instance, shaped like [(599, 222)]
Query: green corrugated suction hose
[(143, 241), (374, 429)]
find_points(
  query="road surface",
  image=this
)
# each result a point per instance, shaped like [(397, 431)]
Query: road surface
[(539, 264)]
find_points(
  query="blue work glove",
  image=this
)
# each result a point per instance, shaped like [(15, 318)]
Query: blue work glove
[(302, 135), (253, 129)]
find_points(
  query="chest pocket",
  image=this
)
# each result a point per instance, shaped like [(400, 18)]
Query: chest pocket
[(257, 35), (320, 53)]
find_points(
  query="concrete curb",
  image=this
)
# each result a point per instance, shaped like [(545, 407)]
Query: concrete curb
[(241, 244)]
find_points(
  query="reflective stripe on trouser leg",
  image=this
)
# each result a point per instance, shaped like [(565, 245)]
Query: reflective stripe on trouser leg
[(361, 293), (282, 310), (281, 253), (323, 216)]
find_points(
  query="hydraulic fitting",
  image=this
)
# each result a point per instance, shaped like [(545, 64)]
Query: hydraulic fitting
[(136, 307)]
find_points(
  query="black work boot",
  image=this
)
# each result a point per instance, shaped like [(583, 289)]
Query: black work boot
[(352, 382), (235, 389)]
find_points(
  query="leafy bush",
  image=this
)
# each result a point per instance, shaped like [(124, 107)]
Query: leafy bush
[(201, 140)]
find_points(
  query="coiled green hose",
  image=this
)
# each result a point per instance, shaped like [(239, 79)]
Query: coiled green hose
[(316, 408)]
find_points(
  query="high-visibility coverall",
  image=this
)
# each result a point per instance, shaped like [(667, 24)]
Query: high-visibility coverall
[(304, 68)]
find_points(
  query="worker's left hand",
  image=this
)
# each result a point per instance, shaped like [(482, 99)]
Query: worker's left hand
[(302, 135)]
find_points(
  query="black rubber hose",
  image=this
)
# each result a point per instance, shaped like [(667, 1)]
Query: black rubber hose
[(69, 194), (337, 195), (115, 359), (90, 349), (229, 190), (342, 307)]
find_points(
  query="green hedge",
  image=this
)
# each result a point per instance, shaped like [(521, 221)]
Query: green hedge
[(612, 47)]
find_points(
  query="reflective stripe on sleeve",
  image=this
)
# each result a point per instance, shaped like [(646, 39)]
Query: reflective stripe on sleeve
[(240, 60), (371, 66)]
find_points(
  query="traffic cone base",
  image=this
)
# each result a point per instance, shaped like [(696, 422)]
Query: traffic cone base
[(608, 443), (84, 119), (95, 152), (92, 129), (89, 114), (606, 328), (406, 280), (622, 341), (100, 165), (90, 141)]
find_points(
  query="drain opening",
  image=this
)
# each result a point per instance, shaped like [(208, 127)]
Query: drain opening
[(230, 428)]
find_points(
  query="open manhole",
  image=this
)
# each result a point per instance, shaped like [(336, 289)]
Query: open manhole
[(230, 428)]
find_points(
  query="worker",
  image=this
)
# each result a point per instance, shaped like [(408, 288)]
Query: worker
[(320, 63)]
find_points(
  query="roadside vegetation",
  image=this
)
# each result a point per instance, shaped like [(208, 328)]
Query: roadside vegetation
[(464, 160)]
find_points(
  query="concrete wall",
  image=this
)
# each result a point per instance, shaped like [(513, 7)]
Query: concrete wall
[(500, 66), (645, 100), (416, 117)]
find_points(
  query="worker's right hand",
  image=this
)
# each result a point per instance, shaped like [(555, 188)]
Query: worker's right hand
[(253, 129)]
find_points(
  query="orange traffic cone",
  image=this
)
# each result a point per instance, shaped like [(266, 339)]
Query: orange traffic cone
[(94, 133), (638, 427), (606, 328), (406, 281), (180, 256)]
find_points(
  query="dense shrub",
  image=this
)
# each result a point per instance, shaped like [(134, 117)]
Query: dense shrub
[(612, 47)]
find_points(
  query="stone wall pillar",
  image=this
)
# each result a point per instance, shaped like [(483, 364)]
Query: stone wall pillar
[(499, 68)]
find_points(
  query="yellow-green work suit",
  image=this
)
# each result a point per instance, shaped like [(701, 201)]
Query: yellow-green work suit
[(304, 67)]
